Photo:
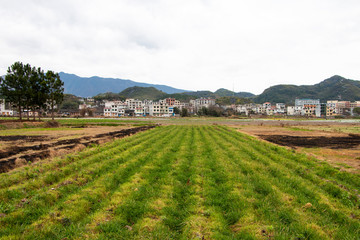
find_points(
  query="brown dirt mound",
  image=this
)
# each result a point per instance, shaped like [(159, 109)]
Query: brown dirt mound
[(52, 124), (23, 137), (345, 142)]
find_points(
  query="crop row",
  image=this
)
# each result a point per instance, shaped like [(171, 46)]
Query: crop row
[(181, 182)]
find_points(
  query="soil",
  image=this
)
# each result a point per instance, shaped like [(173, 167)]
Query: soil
[(337, 148), (350, 141), (17, 150)]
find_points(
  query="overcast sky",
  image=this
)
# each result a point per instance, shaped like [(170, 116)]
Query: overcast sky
[(245, 45)]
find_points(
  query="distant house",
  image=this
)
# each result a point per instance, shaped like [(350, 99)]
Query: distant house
[(280, 108), (136, 105), (309, 107), (161, 109), (335, 107), (114, 109), (3, 110), (197, 104)]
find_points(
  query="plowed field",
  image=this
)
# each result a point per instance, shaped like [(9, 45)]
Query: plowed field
[(181, 182)]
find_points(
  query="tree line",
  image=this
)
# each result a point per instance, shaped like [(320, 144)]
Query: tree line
[(30, 88)]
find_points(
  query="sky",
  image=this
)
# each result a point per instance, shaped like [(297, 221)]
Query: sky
[(240, 45)]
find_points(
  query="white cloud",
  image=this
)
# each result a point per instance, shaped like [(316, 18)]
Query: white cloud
[(189, 44)]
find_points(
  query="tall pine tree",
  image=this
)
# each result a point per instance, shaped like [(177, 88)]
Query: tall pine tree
[(13, 86), (28, 88), (55, 90)]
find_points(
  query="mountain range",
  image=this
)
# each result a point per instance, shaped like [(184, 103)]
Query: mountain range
[(152, 93), (88, 87), (333, 88)]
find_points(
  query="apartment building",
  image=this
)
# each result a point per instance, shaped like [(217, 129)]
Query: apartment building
[(161, 109), (136, 105), (197, 104), (309, 107), (3, 110), (335, 107), (115, 108)]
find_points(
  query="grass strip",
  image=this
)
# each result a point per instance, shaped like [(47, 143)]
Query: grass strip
[(36, 170), (44, 199), (323, 215), (90, 200), (133, 209)]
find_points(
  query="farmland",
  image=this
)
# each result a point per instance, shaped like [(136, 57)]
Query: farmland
[(181, 182)]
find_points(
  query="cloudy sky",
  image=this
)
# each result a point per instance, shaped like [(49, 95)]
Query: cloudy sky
[(245, 45)]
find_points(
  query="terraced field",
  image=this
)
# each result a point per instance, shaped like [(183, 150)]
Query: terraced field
[(181, 182)]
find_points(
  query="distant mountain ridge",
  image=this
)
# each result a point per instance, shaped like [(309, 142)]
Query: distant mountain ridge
[(88, 87), (152, 93), (92, 86), (333, 88)]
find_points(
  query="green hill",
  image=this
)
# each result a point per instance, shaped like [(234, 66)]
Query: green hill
[(222, 92), (152, 93), (334, 88), (142, 93)]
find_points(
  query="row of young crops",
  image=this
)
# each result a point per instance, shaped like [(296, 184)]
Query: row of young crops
[(181, 182)]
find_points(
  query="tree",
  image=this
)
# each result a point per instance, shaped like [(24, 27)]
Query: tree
[(356, 110), (14, 85), (215, 111), (55, 90), (176, 110), (86, 112), (37, 91), (203, 111), (27, 87), (184, 112)]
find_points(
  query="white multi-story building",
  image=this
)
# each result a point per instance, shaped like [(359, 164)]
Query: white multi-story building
[(202, 102), (136, 105), (332, 108), (280, 108), (309, 107), (3, 110), (290, 110), (266, 105), (114, 108), (161, 109)]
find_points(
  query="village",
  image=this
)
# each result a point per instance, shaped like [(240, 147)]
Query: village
[(171, 107)]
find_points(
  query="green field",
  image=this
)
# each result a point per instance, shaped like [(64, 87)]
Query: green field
[(181, 182)]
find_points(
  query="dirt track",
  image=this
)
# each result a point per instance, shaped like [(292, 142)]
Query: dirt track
[(43, 146)]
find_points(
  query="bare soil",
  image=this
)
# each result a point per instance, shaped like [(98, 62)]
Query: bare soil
[(350, 141), (17, 150), (338, 148)]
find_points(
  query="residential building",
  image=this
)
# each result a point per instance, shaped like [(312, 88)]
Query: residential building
[(309, 107), (136, 105), (332, 108), (161, 109), (266, 105), (3, 110), (197, 104), (115, 108), (280, 108), (170, 101)]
